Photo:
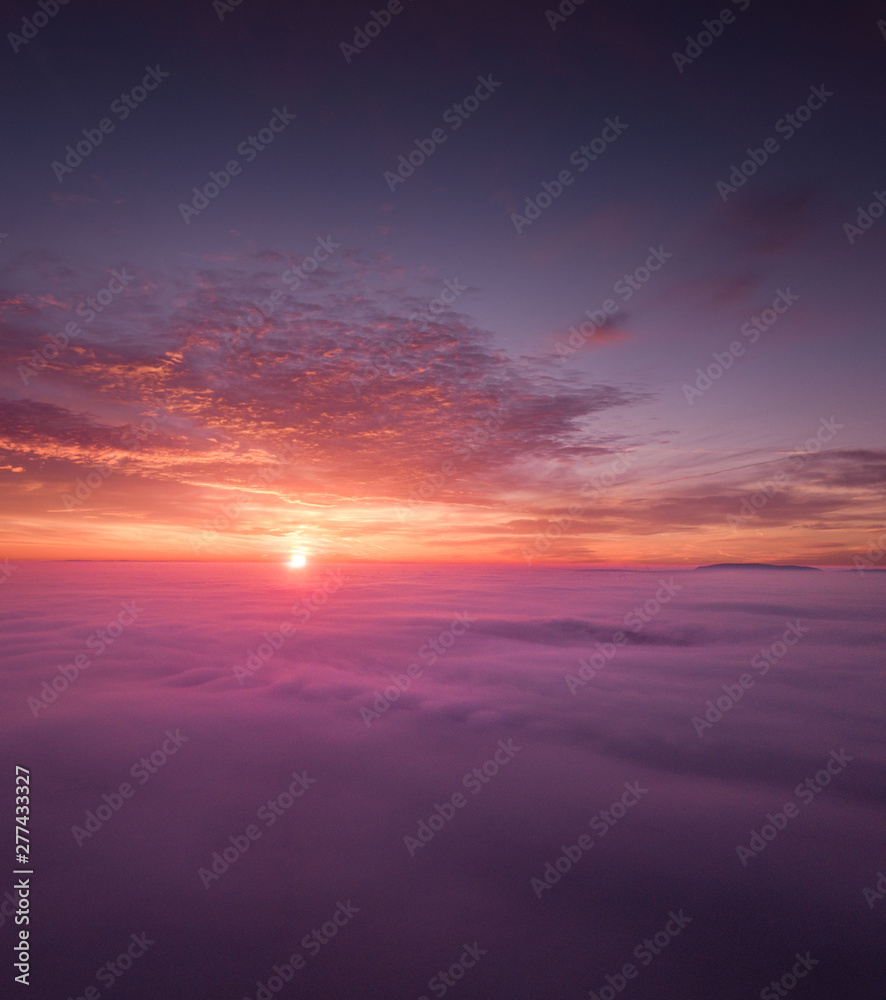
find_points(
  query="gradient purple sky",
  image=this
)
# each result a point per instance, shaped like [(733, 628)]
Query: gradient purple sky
[(479, 385)]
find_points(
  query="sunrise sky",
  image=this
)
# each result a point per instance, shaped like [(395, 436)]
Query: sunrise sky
[(412, 395)]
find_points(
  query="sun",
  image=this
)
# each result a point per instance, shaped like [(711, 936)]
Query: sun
[(298, 559)]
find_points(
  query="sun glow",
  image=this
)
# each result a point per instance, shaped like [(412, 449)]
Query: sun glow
[(298, 559)]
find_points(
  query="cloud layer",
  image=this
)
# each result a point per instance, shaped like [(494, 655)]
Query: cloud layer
[(501, 676)]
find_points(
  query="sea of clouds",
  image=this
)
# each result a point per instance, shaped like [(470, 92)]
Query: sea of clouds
[(418, 772)]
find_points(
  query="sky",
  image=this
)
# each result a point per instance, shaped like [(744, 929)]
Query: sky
[(312, 274)]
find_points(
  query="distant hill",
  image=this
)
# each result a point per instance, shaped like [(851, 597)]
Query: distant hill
[(756, 566)]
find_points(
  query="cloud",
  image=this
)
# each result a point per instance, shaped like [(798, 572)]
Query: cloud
[(172, 670), (337, 370), (373, 419)]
